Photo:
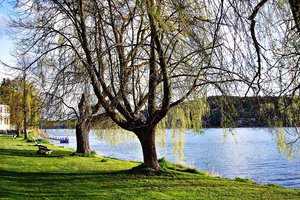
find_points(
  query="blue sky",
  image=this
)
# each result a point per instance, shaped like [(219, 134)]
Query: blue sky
[(6, 45)]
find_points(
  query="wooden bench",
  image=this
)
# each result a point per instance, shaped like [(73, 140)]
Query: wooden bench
[(44, 150)]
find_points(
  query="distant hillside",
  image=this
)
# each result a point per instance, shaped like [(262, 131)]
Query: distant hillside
[(252, 111)]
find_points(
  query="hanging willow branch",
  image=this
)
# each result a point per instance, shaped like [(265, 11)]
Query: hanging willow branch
[(256, 43)]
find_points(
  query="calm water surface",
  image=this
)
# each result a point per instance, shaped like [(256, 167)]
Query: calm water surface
[(248, 152)]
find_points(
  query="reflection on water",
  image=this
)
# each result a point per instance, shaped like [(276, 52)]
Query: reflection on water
[(246, 152)]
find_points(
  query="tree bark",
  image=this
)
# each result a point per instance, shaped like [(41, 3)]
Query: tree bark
[(24, 107), (18, 131), (83, 126), (82, 136), (147, 139)]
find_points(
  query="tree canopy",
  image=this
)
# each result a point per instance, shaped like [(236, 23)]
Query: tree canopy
[(142, 58), (12, 94)]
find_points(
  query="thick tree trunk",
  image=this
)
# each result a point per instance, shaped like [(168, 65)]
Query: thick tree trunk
[(82, 136), (18, 131), (25, 134), (83, 126), (147, 140)]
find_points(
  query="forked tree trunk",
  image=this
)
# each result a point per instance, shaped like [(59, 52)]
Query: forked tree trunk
[(147, 139), (82, 136)]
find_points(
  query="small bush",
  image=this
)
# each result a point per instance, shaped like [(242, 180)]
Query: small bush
[(244, 180)]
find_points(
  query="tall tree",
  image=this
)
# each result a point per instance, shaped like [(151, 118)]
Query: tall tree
[(12, 94), (57, 70), (143, 58), (68, 97)]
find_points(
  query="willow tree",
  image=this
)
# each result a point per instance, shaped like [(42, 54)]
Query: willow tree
[(143, 58), (36, 28), (68, 95), (12, 93)]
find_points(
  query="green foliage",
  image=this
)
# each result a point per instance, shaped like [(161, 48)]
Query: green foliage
[(287, 140), (187, 115), (103, 160), (59, 176), (281, 113), (12, 94), (115, 136)]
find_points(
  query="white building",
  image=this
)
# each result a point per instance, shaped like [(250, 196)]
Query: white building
[(4, 117)]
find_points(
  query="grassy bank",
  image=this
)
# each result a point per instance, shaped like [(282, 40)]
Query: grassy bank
[(26, 175)]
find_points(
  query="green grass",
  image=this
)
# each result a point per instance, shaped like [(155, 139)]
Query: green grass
[(26, 175)]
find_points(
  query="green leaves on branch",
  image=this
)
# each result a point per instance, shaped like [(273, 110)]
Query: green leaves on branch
[(187, 115), (12, 94)]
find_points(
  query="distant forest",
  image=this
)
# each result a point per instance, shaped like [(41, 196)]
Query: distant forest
[(251, 111), (230, 111)]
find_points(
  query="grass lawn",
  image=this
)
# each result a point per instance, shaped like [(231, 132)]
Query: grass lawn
[(26, 175)]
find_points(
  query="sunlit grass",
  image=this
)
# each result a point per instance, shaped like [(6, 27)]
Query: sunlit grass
[(26, 175)]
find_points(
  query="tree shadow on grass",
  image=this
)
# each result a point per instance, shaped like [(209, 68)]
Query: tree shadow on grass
[(97, 185), (27, 185), (58, 185), (31, 153)]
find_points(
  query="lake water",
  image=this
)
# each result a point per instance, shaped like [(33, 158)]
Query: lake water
[(246, 152)]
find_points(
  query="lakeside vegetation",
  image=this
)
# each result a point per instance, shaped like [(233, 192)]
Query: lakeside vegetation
[(24, 174)]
